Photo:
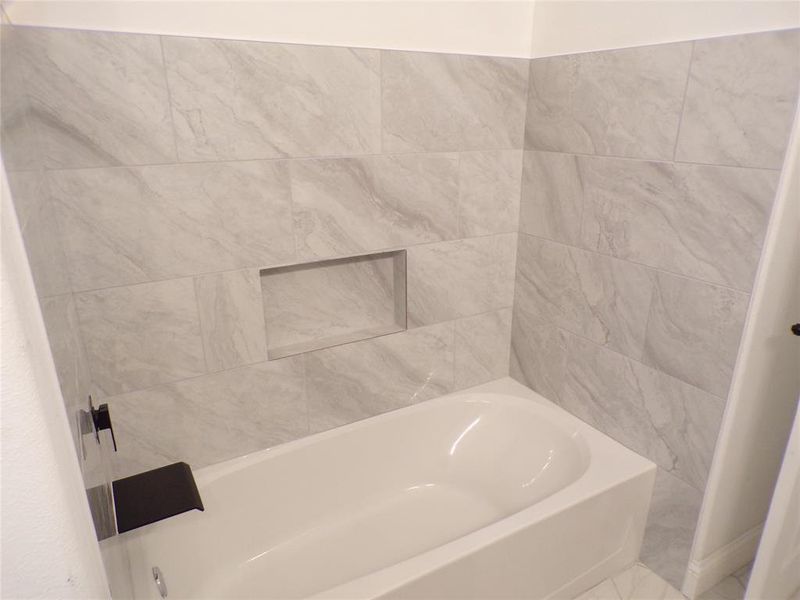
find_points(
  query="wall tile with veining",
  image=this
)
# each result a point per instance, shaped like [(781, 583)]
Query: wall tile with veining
[(97, 98), (597, 297), (489, 184), (231, 319), (209, 419), (538, 354), (21, 149), (482, 348), (741, 99), (449, 102), (69, 357), (693, 331), (460, 278), (40, 231), (699, 221), (124, 226), (552, 197), (617, 102), (142, 335), (240, 100), (660, 417), (350, 205), (670, 527), (356, 381)]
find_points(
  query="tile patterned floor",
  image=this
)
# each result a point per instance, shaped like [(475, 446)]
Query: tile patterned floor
[(730, 588), (637, 583), (640, 583)]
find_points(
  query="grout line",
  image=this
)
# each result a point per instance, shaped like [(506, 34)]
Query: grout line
[(521, 197), (641, 264), (303, 261), (293, 210), (650, 305), (683, 103), (200, 324), (390, 154), (169, 97), (459, 195), (302, 356), (308, 157), (582, 182), (653, 160), (381, 143), (614, 583), (626, 357), (672, 472), (304, 367)]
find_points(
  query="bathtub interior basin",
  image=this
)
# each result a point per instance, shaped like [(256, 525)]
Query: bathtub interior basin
[(310, 516)]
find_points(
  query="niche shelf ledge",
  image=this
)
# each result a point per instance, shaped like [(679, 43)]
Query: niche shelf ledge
[(328, 303)]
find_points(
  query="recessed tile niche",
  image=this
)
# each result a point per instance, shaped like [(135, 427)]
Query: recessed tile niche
[(331, 302)]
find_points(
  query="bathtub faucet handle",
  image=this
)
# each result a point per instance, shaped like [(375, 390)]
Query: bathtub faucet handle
[(102, 420)]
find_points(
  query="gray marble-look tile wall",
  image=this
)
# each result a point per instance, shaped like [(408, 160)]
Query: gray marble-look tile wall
[(156, 176), (648, 181)]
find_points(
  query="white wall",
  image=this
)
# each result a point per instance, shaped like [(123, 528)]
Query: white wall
[(762, 401), (520, 28), (569, 26), (775, 573), (487, 27), (48, 547)]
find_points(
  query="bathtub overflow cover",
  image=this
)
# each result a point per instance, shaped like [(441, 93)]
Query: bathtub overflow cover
[(158, 577)]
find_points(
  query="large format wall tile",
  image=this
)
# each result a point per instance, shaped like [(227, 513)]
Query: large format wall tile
[(699, 221), (40, 231), (618, 102), (141, 335), (351, 205), (489, 184), (452, 102), (460, 278), (97, 98), (693, 331), (597, 297), (552, 197), (741, 99), (670, 527), (209, 419), (662, 418), (359, 380), (538, 354), (69, 357), (482, 348), (124, 226), (231, 319), (20, 144), (239, 100)]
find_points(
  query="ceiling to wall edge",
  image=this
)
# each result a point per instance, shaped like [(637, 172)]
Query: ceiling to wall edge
[(508, 28)]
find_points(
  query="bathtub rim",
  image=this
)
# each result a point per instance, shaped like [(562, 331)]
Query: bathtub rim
[(570, 426)]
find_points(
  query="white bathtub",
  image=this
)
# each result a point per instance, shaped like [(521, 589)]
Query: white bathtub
[(492, 492)]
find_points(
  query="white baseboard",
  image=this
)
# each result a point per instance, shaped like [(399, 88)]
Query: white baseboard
[(704, 574)]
